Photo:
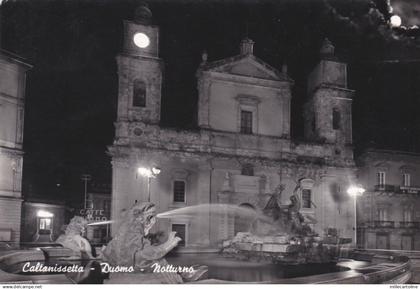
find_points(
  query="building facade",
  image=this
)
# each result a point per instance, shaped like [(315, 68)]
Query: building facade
[(12, 93), (98, 213), (242, 151), (388, 217)]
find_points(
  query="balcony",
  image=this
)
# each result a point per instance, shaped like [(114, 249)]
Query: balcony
[(410, 225), (380, 224), (397, 189), (385, 188), (409, 190)]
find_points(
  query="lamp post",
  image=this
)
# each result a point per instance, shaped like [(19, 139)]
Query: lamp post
[(86, 178), (355, 191), (149, 174)]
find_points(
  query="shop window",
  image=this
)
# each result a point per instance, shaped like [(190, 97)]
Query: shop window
[(45, 223), (96, 234)]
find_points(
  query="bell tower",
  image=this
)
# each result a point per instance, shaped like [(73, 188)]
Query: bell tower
[(328, 109), (139, 73)]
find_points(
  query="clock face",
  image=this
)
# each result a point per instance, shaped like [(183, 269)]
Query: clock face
[(141, 40)]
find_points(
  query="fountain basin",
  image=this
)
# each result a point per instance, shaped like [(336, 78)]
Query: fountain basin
[(283, 249), (12, 263), (374, 269)]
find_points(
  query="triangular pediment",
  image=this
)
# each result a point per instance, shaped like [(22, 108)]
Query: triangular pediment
[(248, 65)]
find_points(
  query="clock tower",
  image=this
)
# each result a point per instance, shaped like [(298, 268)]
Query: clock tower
[(139, 73)]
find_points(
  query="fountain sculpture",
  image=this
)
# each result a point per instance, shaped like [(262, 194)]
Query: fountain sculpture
[(72, 238), (286, 239), (130, 247)]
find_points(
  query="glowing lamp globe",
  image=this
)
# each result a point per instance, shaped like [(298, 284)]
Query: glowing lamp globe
[(395, 21), (141, 40), (355, 190), (145, 172)]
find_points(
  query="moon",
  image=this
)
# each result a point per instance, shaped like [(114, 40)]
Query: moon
[(395, 21)]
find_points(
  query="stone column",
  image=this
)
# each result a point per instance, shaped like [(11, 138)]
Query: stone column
[(120, 191), (204, 85), (223, 232), (203, 197)]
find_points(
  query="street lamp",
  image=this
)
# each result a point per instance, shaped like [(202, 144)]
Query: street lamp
[(149, 174), (355, 191)]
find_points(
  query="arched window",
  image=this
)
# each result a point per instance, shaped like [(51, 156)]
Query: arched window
[(247, 170), (336, 118), (139, 93)]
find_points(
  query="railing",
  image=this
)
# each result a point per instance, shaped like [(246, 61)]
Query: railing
[(380, 224), (385, 188), (397, 189), (409, 190), (392, 224), (410, 225)]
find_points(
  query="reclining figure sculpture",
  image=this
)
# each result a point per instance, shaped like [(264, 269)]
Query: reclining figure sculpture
[(72, 238)]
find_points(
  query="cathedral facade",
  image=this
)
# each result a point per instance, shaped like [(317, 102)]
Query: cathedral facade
[(242, 152)]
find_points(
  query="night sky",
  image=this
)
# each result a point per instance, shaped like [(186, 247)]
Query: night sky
[(72, 90)]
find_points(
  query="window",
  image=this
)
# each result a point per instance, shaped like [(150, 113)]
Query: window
[(96, 233), (181, 230), (45, 223), (246, 122), (89, 204), (179, 191), (381, 178), (106, 205), (306, 198), (336, 119), (247, 170), (406, 180), (139, 93), (407, 215), (382, 214)]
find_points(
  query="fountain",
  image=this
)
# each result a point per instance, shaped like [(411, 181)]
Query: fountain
[(286, 239), (278, 237)]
